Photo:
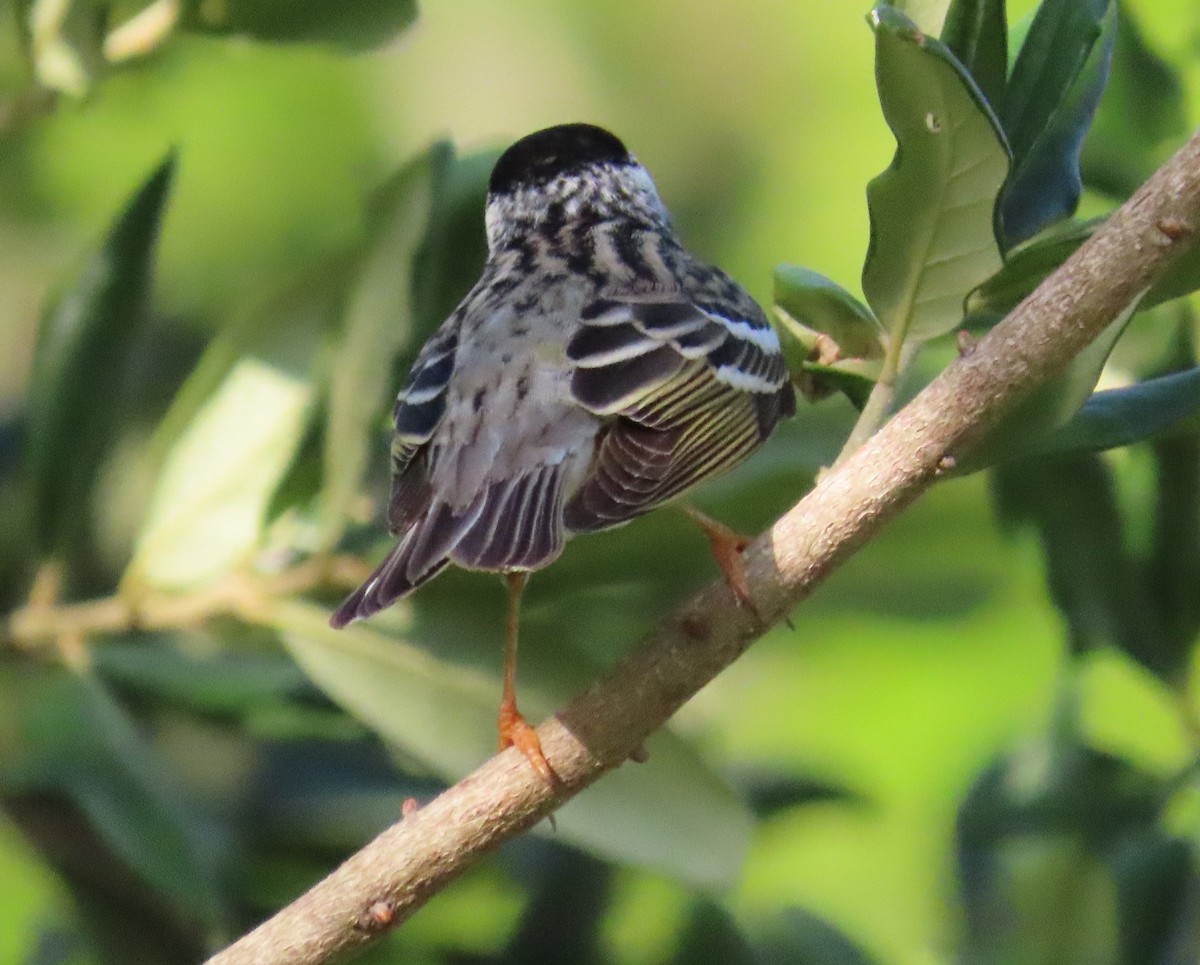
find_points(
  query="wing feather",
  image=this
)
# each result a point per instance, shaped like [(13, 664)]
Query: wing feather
[(704, 393)]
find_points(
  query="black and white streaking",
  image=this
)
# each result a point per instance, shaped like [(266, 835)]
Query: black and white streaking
[(596, 370)]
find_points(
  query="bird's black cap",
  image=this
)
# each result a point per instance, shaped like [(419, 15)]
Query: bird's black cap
[(544, 155)]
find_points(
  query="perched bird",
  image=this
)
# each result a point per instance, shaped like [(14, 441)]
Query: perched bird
[(596, 370)]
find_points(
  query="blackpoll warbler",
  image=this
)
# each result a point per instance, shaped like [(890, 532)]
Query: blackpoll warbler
[(596, 370)]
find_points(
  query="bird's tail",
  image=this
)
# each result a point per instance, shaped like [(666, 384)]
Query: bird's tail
[(514, 524)]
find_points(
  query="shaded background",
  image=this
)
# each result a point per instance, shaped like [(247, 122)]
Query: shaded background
[(932, 651)]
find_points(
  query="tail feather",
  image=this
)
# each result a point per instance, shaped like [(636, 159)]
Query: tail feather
[(514, 524)]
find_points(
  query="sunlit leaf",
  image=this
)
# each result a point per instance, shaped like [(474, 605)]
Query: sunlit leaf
[(63, 733), (350, 24), (444, 714), (210, 504), (376, 323), (1141, 118), (976, 31), (927, 15), (1052, 94), (932, 232), (85, 341)]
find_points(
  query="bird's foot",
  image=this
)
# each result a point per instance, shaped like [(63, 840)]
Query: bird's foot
[(516, 731)]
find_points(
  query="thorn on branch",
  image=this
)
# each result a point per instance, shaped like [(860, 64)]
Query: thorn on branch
[(966, 343), (1174, 229), (378, 916), (410, 807), (946, 465)]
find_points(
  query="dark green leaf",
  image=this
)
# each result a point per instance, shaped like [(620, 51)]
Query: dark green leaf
[(712, 935), (1121, 417), (62, 732), (1033, 834), (803, 938), (83, 346), (1153, 872), (1071, 504), (1056, 84), (1028, 266), (350, 24), (377, 321), (1049, 407), (227, 682), (932, 230), (772, 794), (1173, 563), (977, 32), (1141, 117)]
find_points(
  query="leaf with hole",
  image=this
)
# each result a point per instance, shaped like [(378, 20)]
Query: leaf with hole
[(932, 229)]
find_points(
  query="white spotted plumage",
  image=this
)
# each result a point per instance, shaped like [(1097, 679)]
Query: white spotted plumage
[(595, 370)]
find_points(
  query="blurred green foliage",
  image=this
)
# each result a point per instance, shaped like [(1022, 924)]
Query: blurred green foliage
[(978, 743)]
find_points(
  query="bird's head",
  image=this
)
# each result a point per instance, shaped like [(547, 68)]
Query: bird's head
[(565, 174)]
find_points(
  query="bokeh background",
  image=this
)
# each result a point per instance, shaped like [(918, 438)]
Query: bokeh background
[(934, 650)]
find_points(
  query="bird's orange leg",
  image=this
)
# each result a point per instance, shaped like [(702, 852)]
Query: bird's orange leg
[(727, 547), (515, 730)]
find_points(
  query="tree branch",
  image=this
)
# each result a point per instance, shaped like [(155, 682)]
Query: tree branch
[(395, 874)]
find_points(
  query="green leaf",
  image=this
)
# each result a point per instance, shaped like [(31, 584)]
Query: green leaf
[(1028, 266), (1034, 834), (1141, 117), (836, 342), (1121, 417), (84, 344), (444, 714), (210, 504), (1051, 405), (209, 507), (1055, 87), (932, 234), (353, 25), (976, 31), (803, 937), (377, 321), (1071, 503), (927, 15), (62, 732)]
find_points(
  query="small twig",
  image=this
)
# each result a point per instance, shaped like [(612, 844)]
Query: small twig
[(601, 728), (39, 623)]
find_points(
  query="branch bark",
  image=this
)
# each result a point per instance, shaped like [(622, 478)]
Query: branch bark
[(391, 877)]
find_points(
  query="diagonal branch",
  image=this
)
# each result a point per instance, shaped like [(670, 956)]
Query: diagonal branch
[(385, 882)]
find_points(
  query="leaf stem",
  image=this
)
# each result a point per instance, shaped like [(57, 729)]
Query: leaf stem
[(898, 355)]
